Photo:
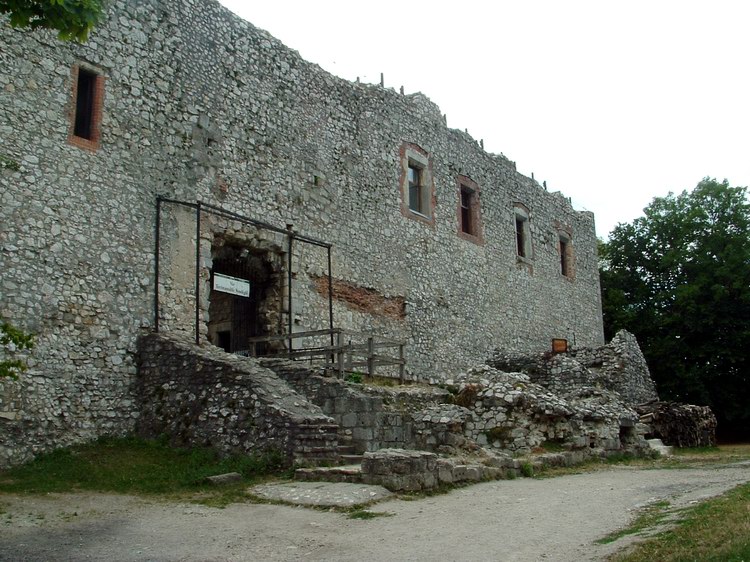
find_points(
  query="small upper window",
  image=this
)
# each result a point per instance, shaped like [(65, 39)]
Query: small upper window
[(566, 255), (88, 93), (523, 236), (469, 215), (466, 197), (85, 104), (417, 189)]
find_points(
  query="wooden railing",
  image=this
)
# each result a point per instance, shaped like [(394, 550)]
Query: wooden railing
[(339, 351)]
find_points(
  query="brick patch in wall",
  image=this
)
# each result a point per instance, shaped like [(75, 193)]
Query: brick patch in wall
[(363, 299)]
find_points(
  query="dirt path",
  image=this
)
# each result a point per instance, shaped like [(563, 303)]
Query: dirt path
[(553, 519)]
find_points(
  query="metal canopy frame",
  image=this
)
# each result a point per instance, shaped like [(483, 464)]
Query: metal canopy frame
[(200, 208)]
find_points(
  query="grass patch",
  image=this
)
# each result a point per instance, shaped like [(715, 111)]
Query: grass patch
[(651, 515), (713, 531), (720, 454), (135, 466), (367, 514)]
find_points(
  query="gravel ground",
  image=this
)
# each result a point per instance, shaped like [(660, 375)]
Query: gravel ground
[(552, 519)]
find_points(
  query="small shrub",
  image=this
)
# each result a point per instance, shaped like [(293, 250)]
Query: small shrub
[(13, 340), (9, 164), (527, 469), (354, 377)]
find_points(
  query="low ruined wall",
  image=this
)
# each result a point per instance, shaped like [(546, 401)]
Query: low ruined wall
[(411, 471), (512, 413), (503, 411), (618, 366), (201, 396)]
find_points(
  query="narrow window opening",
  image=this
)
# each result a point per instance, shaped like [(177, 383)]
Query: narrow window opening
[(466, 219), (416, 185), (520, 237), (564, 257), (85, 95), (415, 189)]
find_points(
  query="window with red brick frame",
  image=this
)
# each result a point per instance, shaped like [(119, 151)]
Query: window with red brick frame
[(86, 107), (469, 211)]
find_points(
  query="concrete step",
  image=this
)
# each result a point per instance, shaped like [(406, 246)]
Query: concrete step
[(348, 473)]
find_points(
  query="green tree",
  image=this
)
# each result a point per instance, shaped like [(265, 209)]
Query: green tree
[(13, 340), (72, 19), (679, 279)]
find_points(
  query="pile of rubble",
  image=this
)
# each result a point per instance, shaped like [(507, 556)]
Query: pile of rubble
[(681, 425)]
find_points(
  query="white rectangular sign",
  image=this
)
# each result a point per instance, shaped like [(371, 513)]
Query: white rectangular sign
[(231, 285)]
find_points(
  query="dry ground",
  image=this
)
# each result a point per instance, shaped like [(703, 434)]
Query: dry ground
[(526, 519)]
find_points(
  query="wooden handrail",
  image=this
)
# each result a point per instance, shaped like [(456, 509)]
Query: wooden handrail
[(337, 353)]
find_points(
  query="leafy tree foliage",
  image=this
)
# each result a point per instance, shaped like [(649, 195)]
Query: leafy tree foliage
[(679, 279), (13, 340), (72, 19)]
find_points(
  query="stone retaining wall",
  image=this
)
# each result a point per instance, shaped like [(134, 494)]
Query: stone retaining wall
[(201, 396)]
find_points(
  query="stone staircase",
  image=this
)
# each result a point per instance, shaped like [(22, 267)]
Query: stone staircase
[(348, 465)]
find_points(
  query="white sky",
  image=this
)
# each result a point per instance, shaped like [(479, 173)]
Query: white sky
[(612, 103)]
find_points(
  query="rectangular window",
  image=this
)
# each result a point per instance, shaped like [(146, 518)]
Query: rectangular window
[(86, 108), (415, 189), (85, 93), (466, 199), (416, 185), (469, 211), (520, 236), (567, 266)]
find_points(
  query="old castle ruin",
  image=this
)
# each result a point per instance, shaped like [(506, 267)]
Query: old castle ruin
[(185, 173)]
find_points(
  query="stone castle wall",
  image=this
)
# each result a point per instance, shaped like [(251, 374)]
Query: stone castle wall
[(199, 105)]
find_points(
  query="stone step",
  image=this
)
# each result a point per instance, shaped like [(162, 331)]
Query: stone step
[(351, 459), (346, 450), (661, 448), (348, 473)]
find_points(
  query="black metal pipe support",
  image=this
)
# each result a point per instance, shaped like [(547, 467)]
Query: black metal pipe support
[(330, 296), (156, 263), (290, 247), (197, 273)]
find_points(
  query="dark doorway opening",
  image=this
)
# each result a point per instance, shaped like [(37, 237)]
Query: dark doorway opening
[(233, 318)]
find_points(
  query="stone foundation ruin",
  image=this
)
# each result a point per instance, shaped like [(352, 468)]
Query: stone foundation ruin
[(473, 427)]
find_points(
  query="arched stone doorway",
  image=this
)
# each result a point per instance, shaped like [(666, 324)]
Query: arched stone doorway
[(246, 295)]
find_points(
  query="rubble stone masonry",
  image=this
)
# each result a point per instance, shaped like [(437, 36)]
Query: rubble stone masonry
[(192, 103)]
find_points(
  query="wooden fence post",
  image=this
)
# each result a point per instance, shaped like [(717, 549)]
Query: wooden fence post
[(340, 355), (401, 364), (370, 356)]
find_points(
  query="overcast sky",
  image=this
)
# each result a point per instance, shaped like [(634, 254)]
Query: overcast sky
[(612, 103)]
